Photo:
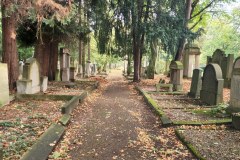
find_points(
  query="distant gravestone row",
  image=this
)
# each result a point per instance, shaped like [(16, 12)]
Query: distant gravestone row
[(226, 64)]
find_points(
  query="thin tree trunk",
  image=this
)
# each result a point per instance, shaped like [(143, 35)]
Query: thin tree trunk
[(9, 45), (152, 61), (80, 38), (83, 58), (129, 68), (182, 41)]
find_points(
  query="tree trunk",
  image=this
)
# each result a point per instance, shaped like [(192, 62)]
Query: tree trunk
[(129, 68), (152, 61), (83, 58), (136, 59), (89, 49), (53, 60), (46, 53), (9, 45), (182, 41)]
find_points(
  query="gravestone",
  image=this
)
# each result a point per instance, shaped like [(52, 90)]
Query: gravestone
[(176, 75), (4, 89), (64, 64), (30, 82), (196, 84), (191, 60), (212, 85), (235, 88), (225, 62)]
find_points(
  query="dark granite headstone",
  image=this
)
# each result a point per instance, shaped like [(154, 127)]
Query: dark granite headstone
[(212, 85), (196, 84)]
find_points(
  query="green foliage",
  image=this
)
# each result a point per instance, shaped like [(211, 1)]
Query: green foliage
[(25, 52), (221, 33), (220, 109)]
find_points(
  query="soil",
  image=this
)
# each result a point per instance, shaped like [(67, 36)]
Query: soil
[(61, 88), (116, 123)]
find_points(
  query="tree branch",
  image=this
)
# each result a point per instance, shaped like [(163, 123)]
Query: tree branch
[(200, 19), (203, 9)]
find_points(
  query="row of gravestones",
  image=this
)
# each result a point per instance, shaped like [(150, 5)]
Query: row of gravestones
[(210, 87)]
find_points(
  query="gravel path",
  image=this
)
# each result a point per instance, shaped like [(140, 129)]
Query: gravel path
[(119, 125)]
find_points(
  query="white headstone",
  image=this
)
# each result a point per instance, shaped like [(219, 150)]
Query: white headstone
[(4, 88)]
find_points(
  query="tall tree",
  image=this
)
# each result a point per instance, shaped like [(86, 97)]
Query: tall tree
[(9, 44)]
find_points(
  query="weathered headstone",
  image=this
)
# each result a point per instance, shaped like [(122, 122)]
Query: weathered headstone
[(225, 62), (176, 75), (212, 85), (4, 89), (30, 82), (64, 64), (191, 60), (196, 84), (235, 88)]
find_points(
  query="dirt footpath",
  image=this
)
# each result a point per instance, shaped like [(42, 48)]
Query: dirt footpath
[(121, 126)]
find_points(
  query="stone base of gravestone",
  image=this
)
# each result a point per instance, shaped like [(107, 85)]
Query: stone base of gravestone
[(196, 84), (72, 74), (24, 86), (4, 90), (44, 83), (65, 74)]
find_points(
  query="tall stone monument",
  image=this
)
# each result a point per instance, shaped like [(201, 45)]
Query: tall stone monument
[(191, 60), (225, 62), (212, 85), (64, 64), (176, 75), (4, 89)]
